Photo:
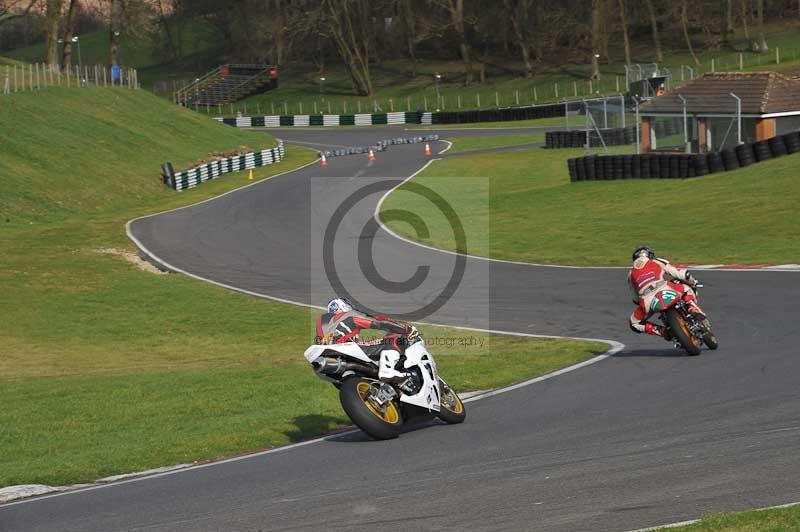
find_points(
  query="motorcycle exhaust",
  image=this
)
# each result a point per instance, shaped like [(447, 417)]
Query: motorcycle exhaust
[(337, 366)]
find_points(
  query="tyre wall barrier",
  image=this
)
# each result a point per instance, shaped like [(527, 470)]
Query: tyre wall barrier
[(679, 165), (381, 145), (364, 119), (205, 172), (495, 115), (407, 117), (577, 138)]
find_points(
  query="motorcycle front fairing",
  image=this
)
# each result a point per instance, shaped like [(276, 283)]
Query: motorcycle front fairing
[(428, 395)]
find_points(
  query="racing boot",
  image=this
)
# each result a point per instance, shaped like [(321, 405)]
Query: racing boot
[(387, 365)]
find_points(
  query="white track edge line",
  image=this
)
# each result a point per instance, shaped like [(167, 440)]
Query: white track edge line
[(693, 521), (520, 263)]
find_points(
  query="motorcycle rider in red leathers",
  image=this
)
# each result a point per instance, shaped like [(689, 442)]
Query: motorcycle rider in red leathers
[(342, 323), (648, 276)]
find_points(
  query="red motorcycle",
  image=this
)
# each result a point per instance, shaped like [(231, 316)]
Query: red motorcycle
[(683, 327)]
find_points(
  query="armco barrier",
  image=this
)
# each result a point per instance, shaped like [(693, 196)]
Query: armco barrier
[(194, 176), (679, 165)]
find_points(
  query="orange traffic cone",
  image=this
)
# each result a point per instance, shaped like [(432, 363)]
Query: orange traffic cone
[(371, 155), (427, 150), (324, 160)]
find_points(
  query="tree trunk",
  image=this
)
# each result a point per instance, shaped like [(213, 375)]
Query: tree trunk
[(456, 8), (723, 24), (745, 16), (623, 18), (410, 29), (518, 12), (52, 15), (113, 30), (685, 24), (66, 52), (352, 34), (597, 13), (654, 25), (762, 39)]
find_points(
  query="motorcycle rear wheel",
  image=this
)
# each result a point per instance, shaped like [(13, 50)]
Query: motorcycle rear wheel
[(451, 409), (380, 423), (681, 332)]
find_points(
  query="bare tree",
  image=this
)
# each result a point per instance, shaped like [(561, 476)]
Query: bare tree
[(623, 18), (685, 25), (406, 12), (745, 15), (597, 24), (519, 12), (350, 25), (455, 10), (66, 51), (52, 16), (762, 39), (654, 26), (113, 31)]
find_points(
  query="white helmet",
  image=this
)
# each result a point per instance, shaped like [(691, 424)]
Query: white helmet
[(338, 305)]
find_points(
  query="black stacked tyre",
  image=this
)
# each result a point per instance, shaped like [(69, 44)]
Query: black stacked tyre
[(700, 164), (777, 147), (745, 154), (729, 159), (762, 150), (683, 166), (792, 141), (590, 167), (674, 166), (580, 168), (573, 172), (715, 163), (627, 166), (644, 166)]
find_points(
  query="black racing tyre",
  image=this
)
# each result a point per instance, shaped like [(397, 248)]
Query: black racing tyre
[(745, 154), (792, 141), (777, 147), (451, 408), (710, 340), (730, 159), (365, 414), (715, 162), (681, 332), (762, 150)]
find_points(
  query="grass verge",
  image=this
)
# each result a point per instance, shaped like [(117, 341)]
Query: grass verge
[(478, 143), (105, 368), (777, 519), (534, 214)]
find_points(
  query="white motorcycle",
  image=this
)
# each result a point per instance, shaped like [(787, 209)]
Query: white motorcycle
[(379, 408)]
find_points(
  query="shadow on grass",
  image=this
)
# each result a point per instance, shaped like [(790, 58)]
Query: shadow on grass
[(312, 425)]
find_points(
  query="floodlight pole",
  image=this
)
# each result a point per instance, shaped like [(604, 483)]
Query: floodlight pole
[(586, 106), (738, 117), (685, 126), (622, 103), (636, 110)]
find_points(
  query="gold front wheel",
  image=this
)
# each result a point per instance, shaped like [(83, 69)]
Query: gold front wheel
[(451, 408)]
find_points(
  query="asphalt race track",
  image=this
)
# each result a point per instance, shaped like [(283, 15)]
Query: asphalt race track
[(643, 438)]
